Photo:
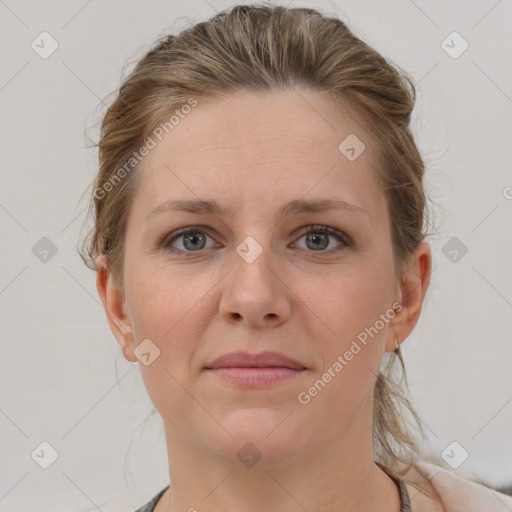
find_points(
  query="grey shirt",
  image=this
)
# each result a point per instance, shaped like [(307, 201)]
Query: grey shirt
[(150, 505), (404, 497)]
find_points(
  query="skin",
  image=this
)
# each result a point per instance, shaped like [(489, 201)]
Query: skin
[(254, 153)]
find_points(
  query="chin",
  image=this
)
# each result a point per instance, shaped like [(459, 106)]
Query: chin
[(260, 438)]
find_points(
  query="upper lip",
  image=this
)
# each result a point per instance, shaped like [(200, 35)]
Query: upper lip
[(260, 360)]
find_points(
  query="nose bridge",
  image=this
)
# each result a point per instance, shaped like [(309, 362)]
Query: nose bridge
[(253, 261), (253, 291)]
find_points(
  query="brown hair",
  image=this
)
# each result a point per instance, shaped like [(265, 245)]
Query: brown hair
[(263, 49)]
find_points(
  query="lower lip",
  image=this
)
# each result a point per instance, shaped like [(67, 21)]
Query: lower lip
[(255, 377)]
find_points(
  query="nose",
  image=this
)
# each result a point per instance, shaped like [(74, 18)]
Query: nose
[(255, 292)]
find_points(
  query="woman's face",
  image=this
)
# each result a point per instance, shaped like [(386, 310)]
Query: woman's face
[(253, 279)]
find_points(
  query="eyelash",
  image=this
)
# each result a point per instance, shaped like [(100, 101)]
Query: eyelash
[(165, 242)]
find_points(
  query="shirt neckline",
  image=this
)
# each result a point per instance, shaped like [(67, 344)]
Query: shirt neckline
[(405, 502)]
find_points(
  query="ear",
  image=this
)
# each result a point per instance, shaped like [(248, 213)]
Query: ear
[(411, 294), (115, 308)]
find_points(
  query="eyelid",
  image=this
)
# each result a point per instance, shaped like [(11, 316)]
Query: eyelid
[(164, 242), (337, 233)]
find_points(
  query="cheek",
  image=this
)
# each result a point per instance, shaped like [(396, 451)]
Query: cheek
[(158, 297), (349, 302), (153, 312), (349, 347), (170, 308), (166, 310), (345, 313)]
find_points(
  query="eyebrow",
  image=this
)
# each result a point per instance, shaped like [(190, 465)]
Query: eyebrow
[(295, 207)]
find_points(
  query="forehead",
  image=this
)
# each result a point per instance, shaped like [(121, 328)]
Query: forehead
[(278, 121), (247, 146)]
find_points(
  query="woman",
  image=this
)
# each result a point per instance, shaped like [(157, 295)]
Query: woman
[(259, 244)]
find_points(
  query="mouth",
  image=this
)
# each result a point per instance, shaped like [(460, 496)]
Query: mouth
[(255, 376), (255, 370)]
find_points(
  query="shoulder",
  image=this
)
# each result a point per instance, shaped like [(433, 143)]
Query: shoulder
[(458, 494)]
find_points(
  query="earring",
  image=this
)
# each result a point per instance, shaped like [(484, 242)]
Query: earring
[(397, 346)]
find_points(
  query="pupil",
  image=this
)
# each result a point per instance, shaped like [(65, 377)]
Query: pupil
[(194, 237), (315, 238)]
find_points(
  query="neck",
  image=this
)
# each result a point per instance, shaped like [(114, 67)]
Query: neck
[(334, 475)]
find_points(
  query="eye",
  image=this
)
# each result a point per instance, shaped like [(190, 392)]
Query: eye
[(317, 238), (192, 239)]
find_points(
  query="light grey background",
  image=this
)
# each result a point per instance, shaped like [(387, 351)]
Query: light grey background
[(63, 379)]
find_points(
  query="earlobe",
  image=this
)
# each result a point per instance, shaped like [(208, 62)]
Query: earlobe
[(412, 293), (114, 305)]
